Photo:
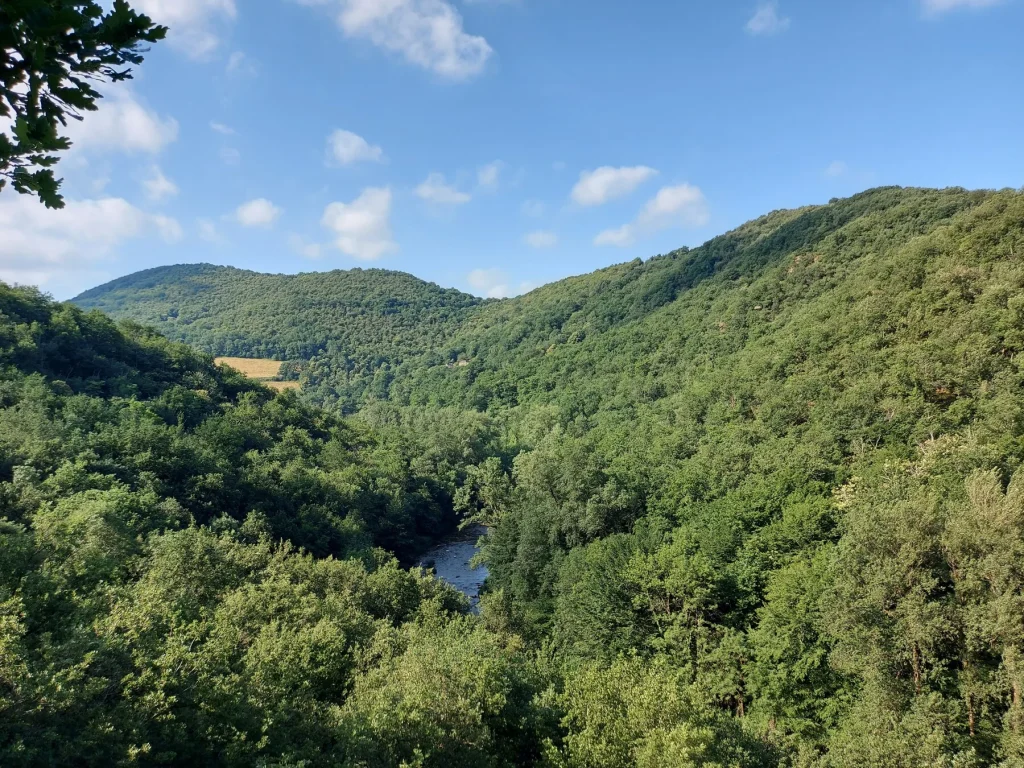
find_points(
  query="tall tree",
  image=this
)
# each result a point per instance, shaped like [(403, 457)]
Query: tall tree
[(52, 52)]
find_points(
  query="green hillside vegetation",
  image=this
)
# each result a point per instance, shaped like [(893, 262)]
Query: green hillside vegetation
[(196, 572), (771, 464), (755, 503), (364, 321)]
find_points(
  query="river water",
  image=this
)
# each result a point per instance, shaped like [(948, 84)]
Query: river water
[(450, 561)]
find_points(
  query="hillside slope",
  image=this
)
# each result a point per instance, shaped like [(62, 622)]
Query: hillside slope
[(362, 318), (681, 308)]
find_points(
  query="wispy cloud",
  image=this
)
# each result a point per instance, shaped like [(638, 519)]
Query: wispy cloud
[(836, 169), (195, 25), (488, 175), (599, 186), (123, 124), (541, 239), (157, 186), (209, 233), (257, 213), (40, 244), (767, 20), (939, 7), (347, 148), (304, 247), (435, 189), (240, 64), (362, 228), (681, 206), (533, 208), (427, 33), (495, 284)]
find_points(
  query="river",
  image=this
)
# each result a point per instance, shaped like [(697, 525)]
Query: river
[(450, 561)]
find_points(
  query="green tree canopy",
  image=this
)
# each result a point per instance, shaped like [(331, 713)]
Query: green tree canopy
[(53, 55)]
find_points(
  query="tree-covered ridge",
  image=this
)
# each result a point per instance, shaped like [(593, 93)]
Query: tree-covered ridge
[(578, 334), (360, 319)]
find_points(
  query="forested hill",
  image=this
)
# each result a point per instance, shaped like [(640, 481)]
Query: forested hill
[(363, 316), (637, 332), (755, 503), (376, 334), (784, 465)]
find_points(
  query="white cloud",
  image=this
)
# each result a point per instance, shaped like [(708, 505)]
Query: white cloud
[(346, 148), (836, 169), (362, 228), (488, 175), (599, 186), (427, 33), (158, 187), (40, 244), (122, 124), (495, 284), (194, 24), (767, 21), (938, 7), (541, 240), (230, 156), (223, 130), (681, 206), (436, 190), (303, 247), (257, 213)]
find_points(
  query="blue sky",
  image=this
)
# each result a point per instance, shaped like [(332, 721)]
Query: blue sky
[(495, 145)]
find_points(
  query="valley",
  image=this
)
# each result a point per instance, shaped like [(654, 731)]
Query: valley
[(511, 384), (765, 483)]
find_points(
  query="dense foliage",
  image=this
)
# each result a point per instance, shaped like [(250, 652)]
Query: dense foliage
[(777, 464), (52, 54), (344, 330), (188, 571), (755, 503)]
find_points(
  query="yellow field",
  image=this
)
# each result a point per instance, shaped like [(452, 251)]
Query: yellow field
[(254, 368), (264, 371)]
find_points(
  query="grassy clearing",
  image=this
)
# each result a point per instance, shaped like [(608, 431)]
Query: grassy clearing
[(263, 370), (254, 368)]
